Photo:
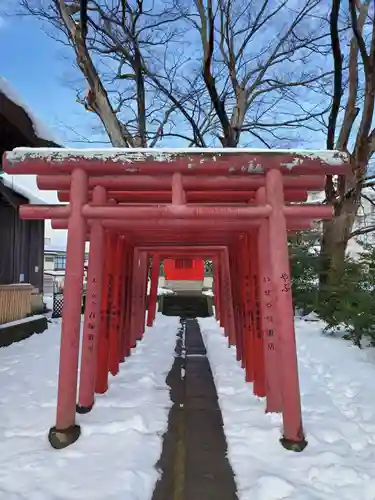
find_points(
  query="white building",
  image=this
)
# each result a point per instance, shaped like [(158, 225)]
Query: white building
[(365, 219), (54, 265)]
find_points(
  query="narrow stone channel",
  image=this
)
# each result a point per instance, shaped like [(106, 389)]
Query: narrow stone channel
[(193, 463)]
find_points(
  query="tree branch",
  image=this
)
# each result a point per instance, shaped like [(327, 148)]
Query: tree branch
[(337, 63), (358, 33), (362, 231), (97, 97)]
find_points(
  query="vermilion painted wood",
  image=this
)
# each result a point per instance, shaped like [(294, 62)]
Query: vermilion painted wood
[(259, 380), (242, 304), (248, 332), (199, 162), (115, 315), (221, 292), (125, 350), (123, 304), (157, 183), (193, 272), (70, 327), (193, 229), (215, 214), (233, 302), (101, 385), (153, 297), (216, 288), (243, 264), (279, 259), (134, 308), (140, 298), (145, 259), (129, 289), (268, 322), (224, 310), (217, 197), (201, 251), (233, 260), (178, 194), (228, 299), (91, 325), (253, 323), (121, 299), (100, 381)]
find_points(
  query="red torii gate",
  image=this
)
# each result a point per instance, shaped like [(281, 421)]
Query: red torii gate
[(233, 206)]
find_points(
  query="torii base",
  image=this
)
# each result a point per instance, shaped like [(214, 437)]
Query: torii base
[(82, 410), (296, 446), (60, 439)]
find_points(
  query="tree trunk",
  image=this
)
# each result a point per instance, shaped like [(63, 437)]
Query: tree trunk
[(357, 334), (335, 237)]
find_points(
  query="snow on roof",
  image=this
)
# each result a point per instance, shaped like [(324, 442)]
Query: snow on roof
[(9, 183), (55, 273), (133, 155), (40, 129), (54, 248), (58, 249)]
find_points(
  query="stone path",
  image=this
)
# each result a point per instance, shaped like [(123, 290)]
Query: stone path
[(194, 462)]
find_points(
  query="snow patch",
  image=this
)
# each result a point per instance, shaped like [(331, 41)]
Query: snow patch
[(48, 301), (134, 155), (164, 291), (339, 419), (21, 321), (121, 439)]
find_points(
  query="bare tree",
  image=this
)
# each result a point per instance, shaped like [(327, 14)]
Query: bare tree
[(182, 71), (130, 56), (263, 65), (350, 127), (364, 227)]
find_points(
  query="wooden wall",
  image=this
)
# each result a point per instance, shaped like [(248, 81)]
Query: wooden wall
[(21, 245)]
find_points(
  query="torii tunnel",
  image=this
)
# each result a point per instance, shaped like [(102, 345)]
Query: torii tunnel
[(136, 206)]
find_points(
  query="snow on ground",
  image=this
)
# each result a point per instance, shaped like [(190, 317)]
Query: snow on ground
[(337, 387), (48, 300), (121, 438), (28, 319), (164, 291)]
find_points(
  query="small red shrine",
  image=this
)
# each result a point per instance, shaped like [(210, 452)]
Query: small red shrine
[(184, 269)]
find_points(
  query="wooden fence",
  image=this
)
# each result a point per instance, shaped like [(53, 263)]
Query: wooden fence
[(15, 302)]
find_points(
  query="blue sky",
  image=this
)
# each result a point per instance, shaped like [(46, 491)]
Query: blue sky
[(36, 67)]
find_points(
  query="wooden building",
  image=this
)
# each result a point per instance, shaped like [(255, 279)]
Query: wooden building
[(21, 242)]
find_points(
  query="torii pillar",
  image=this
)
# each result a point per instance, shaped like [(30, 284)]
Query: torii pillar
[(66, 431), (293, 435)]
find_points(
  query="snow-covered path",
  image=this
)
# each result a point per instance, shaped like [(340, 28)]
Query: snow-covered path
[(339, 417), (121, 439)]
